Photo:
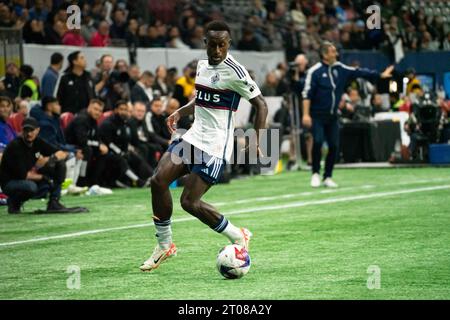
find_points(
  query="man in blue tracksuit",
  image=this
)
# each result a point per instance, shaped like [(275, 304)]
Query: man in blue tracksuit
[(324, 85)]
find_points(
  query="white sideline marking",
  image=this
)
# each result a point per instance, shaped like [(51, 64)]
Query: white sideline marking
[(291, 195), (309, 193), (257, 209)]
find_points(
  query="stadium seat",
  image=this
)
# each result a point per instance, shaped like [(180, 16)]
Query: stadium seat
[(15, 121), (65, 119), (105, 115)]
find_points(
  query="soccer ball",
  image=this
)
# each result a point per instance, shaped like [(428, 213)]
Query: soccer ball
[(233, 261)]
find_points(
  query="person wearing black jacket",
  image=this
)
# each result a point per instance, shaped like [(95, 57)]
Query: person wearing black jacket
[(76, 87), (82, 132), (41, 170), (148, 142), (156, 121), (12, 80), (142, 90), (48, 116), (123, 160)]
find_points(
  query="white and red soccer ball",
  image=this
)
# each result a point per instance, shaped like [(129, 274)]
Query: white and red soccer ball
[(233, 261)]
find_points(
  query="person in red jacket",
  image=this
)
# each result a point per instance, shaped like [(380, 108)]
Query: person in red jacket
[(101, 38), (73, 38)]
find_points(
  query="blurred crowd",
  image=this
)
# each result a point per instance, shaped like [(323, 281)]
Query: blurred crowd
[(110, 120), (296, 26)]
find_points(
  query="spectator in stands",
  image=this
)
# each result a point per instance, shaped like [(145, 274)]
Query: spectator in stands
[(73, 37), (82, 132), (28, 88), (22, 106), (47, 114), (6, 19), (124, 165), (411, 38), (427, 42), (297, 15), (101, 37), (172, 78), (55, 31), (175, 39), (76, 87), (33, 32), (143, 91), (248, 41), (269, 88), (292, 41), (187, 27), (121, 66), (51, 75), (171, 106), (299, 23), (132, 39), (196, 39), (12, 80), (38, 11), (101, 79), (119, 25), (148, 142), (377, 104), (157, 118), (185, 86), (446, 42), (350, 100), (160, 87), (7, 133), (99, 11), (88, 24), (56, 25), (143, 37), (155, 39), (345, 41), (134, 73), (297, 77), (364, 87), (18, 179), (413, 85), (3, 91), (118, 84)]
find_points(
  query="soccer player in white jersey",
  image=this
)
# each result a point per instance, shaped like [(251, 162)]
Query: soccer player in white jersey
[(220, 83)]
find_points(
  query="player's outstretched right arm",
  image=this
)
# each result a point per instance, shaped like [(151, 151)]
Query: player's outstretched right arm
[(185, 110)]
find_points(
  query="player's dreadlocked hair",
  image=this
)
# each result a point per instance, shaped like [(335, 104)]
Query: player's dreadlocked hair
[(217, 25)]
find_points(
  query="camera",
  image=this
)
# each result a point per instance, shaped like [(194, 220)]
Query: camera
[(119, 77)]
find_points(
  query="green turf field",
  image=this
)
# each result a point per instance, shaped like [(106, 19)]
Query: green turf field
[(308, 244)]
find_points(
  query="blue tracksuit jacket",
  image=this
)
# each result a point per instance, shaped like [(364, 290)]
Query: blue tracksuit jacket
[(325, 84)]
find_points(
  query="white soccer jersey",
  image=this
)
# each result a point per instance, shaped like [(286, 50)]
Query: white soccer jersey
[(219, 89)]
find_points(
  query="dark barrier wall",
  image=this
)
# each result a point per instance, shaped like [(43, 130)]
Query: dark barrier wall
[(424, 62)]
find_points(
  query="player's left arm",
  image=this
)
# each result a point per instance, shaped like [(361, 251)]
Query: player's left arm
[(259, 103), (185, 110)]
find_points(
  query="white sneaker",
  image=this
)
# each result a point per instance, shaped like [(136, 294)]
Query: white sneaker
[(72, 189), (104, 191), (329, 183), (96, 190), (158, 256), (315, 180), (245, 241)]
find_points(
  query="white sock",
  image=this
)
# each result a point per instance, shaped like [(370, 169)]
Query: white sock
[(232, 233), (163, 233), (130, 174)]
